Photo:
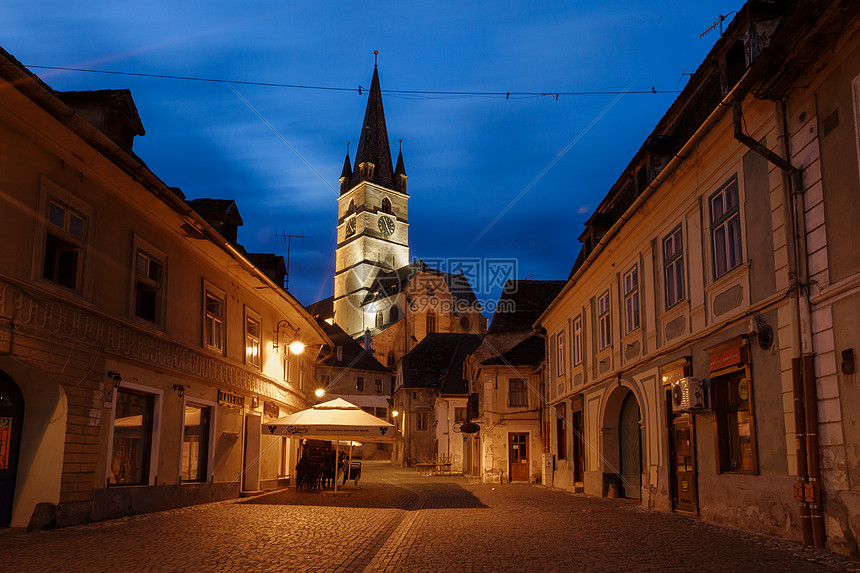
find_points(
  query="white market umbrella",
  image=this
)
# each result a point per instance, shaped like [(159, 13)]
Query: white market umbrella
[(334, 420)]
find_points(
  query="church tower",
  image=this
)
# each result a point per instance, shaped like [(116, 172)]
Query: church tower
[(372, 218)]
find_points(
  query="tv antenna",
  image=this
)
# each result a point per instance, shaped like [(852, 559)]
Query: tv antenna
[(722, 18), (288, 238)]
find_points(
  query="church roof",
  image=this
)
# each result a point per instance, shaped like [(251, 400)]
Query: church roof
[(529, 352), (521, 304), (390, 282), (437, 362), (373, 144)]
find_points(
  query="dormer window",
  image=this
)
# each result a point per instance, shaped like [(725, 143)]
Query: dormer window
[(386, 206), (367, 170)]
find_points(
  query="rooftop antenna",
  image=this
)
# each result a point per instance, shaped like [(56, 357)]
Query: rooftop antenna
[(288, 237), (375, 54), (719, 22)]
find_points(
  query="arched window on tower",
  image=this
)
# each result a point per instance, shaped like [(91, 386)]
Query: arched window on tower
[(351, 209), (394, 314), (386, 206)]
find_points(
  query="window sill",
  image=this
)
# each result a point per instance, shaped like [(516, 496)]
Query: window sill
[(726, 279)]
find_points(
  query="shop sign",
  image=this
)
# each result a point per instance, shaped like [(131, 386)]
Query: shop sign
[(672, 375), (726, 358), (230, 399), (271, 409)]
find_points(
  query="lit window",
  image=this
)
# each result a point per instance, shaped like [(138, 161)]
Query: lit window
[(577, 341), (195, 443), (517, 397), (604, 330), (673, 267), (631, 299), (559, 353), (732, 396), (252, 340), (65, 244), (213, 321), (132, 438), (725, 229), (148, 287)]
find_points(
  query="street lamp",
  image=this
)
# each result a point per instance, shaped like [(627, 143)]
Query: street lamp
[(319, 392)]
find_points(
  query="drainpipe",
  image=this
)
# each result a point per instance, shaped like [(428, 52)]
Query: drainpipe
[(808, 486)]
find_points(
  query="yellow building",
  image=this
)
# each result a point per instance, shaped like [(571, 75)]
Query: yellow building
[(700, 356), (140, 346)]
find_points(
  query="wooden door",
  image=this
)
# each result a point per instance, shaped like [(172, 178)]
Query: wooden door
[(578, 447), (683, 464), (630, 444), (11, 420), (519, 455)]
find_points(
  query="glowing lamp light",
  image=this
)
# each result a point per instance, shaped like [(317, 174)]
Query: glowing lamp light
[(297, 347), (319, 392), (395, 413)]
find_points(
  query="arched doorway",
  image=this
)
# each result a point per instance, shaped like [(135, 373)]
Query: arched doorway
[(11, 421), (630, 447)]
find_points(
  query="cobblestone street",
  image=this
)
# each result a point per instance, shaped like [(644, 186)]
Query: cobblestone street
[(399, 520)]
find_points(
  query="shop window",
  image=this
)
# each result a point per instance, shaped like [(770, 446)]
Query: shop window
[(65, 245), (148, 287), (517, 397), (604, 329), (577, 341), (195, 443), (725, 229), (673, 267), (252, 339), (132, 438), (559, 352), (359, 384), (732, 397), (421, 421), (561, 432), (213, 320)]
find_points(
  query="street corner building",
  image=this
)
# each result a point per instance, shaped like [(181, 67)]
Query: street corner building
[(141, 346), (702, 355)]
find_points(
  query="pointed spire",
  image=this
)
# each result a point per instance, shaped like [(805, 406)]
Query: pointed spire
[(346, 173), (400, 169), (373, 145)]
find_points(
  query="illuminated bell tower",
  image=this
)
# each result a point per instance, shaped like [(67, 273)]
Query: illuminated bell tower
[(372, 218)]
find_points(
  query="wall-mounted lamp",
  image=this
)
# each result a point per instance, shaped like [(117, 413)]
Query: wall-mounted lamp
[(319, 392), (296, 347), (395, 413), (180, 389), (116, 376)]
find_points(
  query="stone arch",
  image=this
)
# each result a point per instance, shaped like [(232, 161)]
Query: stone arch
[(617, 401), (386, 205), (43, 437)]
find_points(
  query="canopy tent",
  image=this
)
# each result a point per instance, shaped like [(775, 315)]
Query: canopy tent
[(336, 420)]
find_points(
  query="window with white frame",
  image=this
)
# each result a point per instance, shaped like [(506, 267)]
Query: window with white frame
[(253, 330), (65, 245), (604, 328), (559, 354), (195, 442), (213, 319), (577, 341), (673, 267), (725, 228), (631, 299), (148, 286), (132, 437)]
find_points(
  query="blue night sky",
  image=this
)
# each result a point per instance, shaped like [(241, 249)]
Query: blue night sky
[(467, 157)]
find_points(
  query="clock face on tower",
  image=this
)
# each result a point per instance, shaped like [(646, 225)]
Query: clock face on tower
[(386, 226)]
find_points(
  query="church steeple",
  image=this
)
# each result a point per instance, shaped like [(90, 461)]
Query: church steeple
[(373, 156)]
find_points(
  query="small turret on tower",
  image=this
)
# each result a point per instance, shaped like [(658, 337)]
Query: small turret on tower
[(346, 174), (400, 171)]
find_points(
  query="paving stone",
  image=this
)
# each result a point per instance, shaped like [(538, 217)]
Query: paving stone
[(400, 521)]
